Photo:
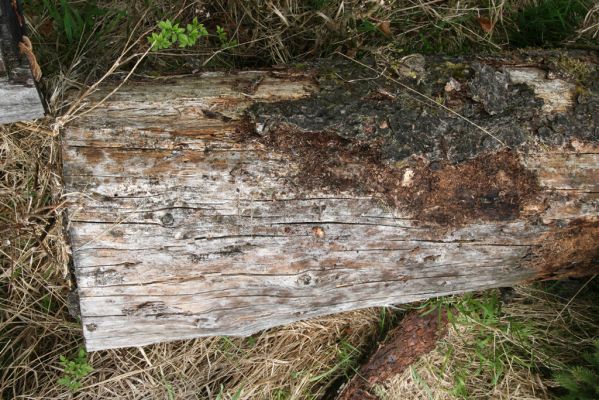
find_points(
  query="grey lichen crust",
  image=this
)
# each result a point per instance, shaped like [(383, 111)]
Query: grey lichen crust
[(490, 88), (357, 104)]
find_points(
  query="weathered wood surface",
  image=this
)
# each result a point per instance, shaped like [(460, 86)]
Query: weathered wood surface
[(188, 219), (19, 98)]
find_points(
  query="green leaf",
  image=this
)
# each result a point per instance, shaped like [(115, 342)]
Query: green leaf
[(202, 30), (165, 25), (222, 35), (53, 11), (183, 40), (237, 394), (367, 27)]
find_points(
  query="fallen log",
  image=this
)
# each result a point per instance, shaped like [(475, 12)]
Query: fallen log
[(415, 336), (19, 98), (226, 203)]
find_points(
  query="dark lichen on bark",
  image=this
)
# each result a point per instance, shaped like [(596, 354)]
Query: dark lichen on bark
[(357, 104), (365, 133)]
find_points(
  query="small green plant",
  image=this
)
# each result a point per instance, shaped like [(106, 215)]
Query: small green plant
[(421, 382), (172, 34), (251, 341), (170, 391), (73, 29), (74, 20), (490, 353), (388, 319), (459, 389), (74, 370), (227, 345), (319, 4), (581, 382), (280, 394), (223, 38), (483, 311), (368, 27), (347, 360)]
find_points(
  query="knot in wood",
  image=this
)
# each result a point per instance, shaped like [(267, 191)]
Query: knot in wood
[(305, 279), (167, 219)]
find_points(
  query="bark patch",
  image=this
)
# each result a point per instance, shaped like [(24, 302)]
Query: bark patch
[(489, 187), (522, 101), (572, 251), (415, 336)]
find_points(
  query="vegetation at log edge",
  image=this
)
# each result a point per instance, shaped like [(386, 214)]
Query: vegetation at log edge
[(581, 381), (75, 370), (522, 347), (171, 34)]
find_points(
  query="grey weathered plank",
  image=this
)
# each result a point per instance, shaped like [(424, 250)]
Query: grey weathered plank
[(19, 98), (180, 229)]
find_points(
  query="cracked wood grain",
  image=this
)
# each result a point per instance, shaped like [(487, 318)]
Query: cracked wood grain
[(183, 226)]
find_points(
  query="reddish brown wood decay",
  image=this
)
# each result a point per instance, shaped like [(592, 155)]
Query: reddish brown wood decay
[(415, 336), (490, 187), (572, 251)]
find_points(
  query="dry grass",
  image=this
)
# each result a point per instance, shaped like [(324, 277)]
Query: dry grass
[(33, 325), (299, 361), (276, 32), (590, 25)]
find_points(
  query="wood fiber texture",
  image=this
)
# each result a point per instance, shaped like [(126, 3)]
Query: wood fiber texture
[(192, 216)]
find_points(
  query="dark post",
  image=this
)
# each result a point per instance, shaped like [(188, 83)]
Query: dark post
[(19, 97)]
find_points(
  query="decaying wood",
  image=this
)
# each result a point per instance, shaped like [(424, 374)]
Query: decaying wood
[(414, 337), (227, 203), (19, 98)]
